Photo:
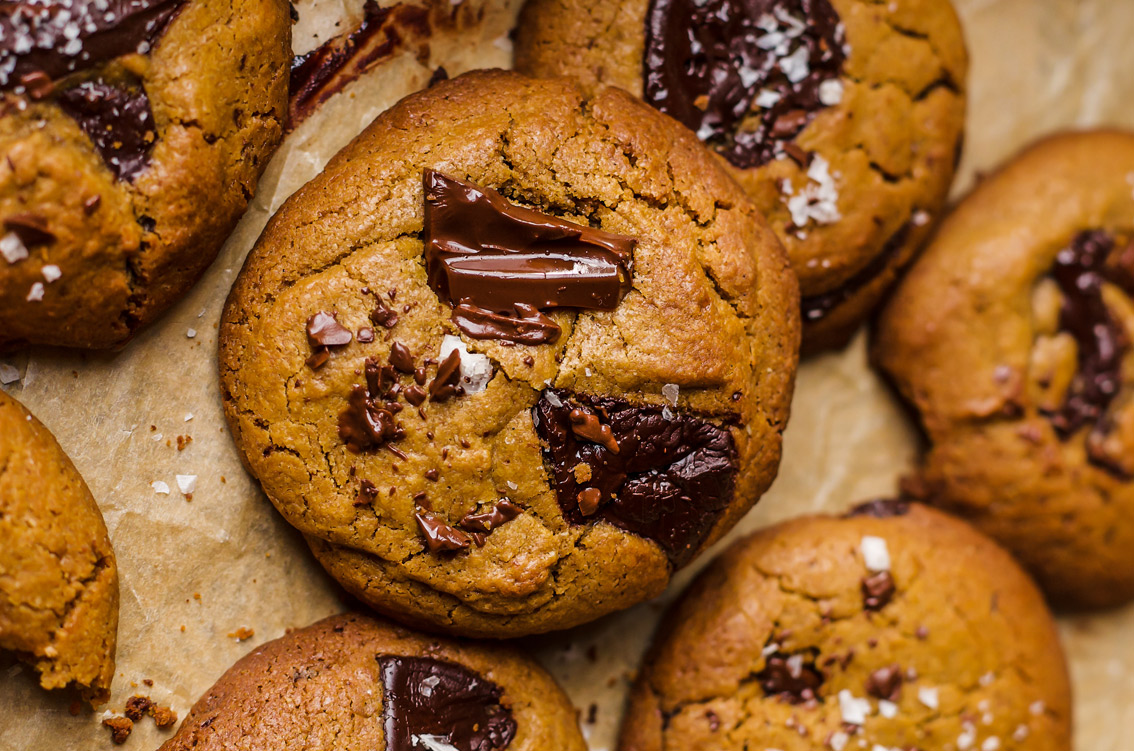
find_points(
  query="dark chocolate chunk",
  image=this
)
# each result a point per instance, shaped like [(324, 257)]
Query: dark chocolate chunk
[(816, 307), (481, 251), (881, 508), (318, 358), (527, 326), (439, 75), (365, 335), (364, 425), (440, 536), (793, 678), (445, 384), (446, 703), (384, 316), (885, 683), (707, 61), (401, 358), (877, 590), (117, 120), (53, 39), (324, 330), (673, 477), (30, 228), (501, 512), (415, 395)]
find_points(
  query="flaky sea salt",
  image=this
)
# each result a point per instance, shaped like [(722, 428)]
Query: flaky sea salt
[(887, 709), (818, 200), (8, 374), (160, 487), (838, 740), (854, 710), (796, 66), (13, 248), (875, 553), (191, 333), (186, 483), (432, 743), (671, 391), (51, 272), (928, 696), (831, 92), (476, 369), (768, 98), (35, 294)]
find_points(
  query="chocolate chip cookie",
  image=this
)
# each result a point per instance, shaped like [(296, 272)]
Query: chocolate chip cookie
[(514, 357), (58, 578), (895, 627), (133, 133), (1012, 341), (841, 118), (349, 682)]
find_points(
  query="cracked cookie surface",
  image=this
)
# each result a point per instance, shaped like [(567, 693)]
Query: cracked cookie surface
[(393, 473), (350, 682), (58, 577), (1011, 338), (132, 144), (896, 627), (843, 120)]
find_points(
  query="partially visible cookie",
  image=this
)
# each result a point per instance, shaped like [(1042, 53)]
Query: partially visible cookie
[(1011, 338), (132, 136), (58, 578), (895, 627), (349, 682), (841, 118)]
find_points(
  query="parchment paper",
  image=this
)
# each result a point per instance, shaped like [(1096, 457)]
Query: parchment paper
[(194, 572)]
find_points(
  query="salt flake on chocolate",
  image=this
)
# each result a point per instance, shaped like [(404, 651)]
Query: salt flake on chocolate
[(476, 369), (818, 200)]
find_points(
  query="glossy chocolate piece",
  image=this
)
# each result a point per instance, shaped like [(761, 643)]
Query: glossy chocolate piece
[(706, 62), (481, 251), (368, 421), (433, 704), (793, 678), (877, 590), (439, 535), (51, 40), (526, 326), (816, 307), (446, 383), (501, 512), (324, 330), (673, 476), (117, 120)]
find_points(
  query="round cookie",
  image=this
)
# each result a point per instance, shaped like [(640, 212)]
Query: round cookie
[(518, 396), (133, 134), (350, 682), (58, 577), (1012, 341), (841, 118), (895, 627)]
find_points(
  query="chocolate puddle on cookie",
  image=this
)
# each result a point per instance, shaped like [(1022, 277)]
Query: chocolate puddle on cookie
[(746, 77), (501, 264), (1092, 259), (663, 475), (117, 120), (433, 704)]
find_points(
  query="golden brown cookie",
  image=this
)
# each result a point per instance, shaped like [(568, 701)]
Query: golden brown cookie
[(349, 682), (895, 627), (133, 133), (58, 578), (841, 118), (1012, 340), (517, 396)]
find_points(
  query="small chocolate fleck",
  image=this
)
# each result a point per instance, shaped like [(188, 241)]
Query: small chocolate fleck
[(877, 590), (432, 475), (38, 84), (885, 683), (401, 358), (364, 424), (440, 536), (420, 376), (318, 358), (446, 383), (91, 205), (501, 512), (793, 678)]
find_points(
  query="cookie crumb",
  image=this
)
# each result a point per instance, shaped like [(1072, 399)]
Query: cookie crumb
[(242, 634), (120, 728)]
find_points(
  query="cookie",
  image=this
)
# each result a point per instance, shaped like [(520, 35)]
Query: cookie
[(58, 577), (349, 682), (1011, 339), (895, 627), (133, 133), (517, 354), (841, 118)]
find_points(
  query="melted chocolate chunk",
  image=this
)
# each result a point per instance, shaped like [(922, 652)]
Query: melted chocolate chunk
[(118, 121), (482, 252), (324, 71), (384, 316), (793, 678), (744, 75), (446, 703), (30, 228), (53, 39), (881, 508), (501, 512), (440, 536), (885, 683), (367, 493), (401, 358), (877, 590), (446, 383), (672, 478), (324, 330), (1080, 271), (816, 307), (368, 422)]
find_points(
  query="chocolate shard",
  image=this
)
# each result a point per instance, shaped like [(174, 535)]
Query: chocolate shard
[(705, 62), (673, 476), (53, 39), (440, 536), (324, 330), (880, 508), (482, 251), (877, 590), (885, 683), (446, 383), (446, 703), (117, 120), (32, 229), (501, 512), (527, 326), (793, 678)]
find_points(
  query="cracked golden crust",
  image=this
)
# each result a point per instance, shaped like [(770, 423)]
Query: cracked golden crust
[(893, 141), (217, 85), (58, 577), (990, 648), (959, 339), (319, 688), (712, 310)]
